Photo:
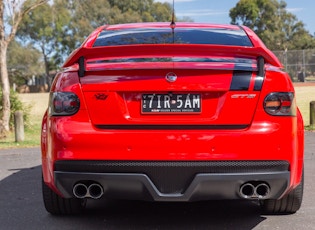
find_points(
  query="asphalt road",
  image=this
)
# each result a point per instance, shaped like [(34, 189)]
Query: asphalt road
[(21, 205)]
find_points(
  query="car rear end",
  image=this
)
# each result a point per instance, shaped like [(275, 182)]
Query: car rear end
[(149, 112)]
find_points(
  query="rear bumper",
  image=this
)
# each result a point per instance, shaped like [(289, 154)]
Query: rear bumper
[(204, 186), (173, 181), (63, 141)]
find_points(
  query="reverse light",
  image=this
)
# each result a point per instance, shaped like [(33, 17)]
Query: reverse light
[(280, 104), (63, 104)]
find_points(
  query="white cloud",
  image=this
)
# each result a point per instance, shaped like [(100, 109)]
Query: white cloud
[(294, 9)]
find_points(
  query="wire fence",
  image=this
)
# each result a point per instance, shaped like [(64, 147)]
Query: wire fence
[(300, 64)]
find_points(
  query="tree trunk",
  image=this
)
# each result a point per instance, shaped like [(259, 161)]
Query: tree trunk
[(5, 86), (45, 61), (16, 17)]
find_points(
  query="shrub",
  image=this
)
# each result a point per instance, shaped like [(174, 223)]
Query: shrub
[(17, 104)]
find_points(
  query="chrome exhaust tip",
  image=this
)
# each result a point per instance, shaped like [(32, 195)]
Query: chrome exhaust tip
[(254, 190), (80, 190), (95, 191), (247, 190), (262, 190)]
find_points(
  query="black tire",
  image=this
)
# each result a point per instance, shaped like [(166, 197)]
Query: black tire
[(289, 204), (57, 205)]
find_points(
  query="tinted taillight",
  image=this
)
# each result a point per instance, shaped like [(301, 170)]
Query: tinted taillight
[(63, 104), (280, 104)]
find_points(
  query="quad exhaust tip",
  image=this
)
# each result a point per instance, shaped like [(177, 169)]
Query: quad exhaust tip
[(256, 190), (249, 190), (93, 190)]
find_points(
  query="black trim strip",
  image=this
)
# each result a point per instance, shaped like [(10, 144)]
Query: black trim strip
[(258, 83), (237, 64), (99, 166), (240, 80), (247, 62), (173, 127)]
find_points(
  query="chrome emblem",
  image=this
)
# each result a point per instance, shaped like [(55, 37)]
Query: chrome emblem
[(244, 95), (171, 77)]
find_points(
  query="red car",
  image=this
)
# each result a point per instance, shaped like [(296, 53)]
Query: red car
[(161, 112)]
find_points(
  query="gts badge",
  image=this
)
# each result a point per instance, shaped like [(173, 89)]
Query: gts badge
[(243, 96)]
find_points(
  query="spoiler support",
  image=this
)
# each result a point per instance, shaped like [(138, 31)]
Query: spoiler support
[(261, 66), (81, 71), (261, 73)]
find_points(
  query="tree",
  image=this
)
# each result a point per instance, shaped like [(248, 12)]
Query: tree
[(12, 12), (278, 28), (43, 29), (88, 15), (23, 62), (147, 10), (59, 27)]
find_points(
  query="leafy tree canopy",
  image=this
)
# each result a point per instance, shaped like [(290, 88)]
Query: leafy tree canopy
[(43, 29), (23, 62), (278, 28), (88, 15), (11, 13), (58, 27)]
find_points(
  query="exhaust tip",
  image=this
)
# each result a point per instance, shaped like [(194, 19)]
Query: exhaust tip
[(262, 190), (95, 191), (254, 190), (247, 190), (80, 190)]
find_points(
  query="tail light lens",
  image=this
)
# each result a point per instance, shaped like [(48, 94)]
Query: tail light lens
[(63, 104), (280, 104)]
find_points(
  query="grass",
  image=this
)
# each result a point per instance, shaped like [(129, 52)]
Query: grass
[(304, 95), (39, 102), (32, 139)]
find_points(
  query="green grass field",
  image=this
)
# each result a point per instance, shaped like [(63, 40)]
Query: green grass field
[(39, 102), (304, 95)]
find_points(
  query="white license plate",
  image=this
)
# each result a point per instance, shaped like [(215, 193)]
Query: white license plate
[(171, 103)]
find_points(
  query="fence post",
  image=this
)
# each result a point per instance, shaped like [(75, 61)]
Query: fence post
[(312, 114), (19, 126)]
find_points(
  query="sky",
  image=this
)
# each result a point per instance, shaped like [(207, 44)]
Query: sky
[(217, 11)]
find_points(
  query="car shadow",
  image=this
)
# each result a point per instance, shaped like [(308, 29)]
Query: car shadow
[(22, 206)]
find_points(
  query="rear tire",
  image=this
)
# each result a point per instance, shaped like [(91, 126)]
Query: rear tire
[(288, 204), (58, 205)]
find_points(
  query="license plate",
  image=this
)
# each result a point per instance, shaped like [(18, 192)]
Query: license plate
[(171, 103)]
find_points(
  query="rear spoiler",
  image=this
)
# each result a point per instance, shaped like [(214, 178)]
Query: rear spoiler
[(84, 54)]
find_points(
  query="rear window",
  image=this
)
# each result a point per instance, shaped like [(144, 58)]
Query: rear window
[(213, 36)]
